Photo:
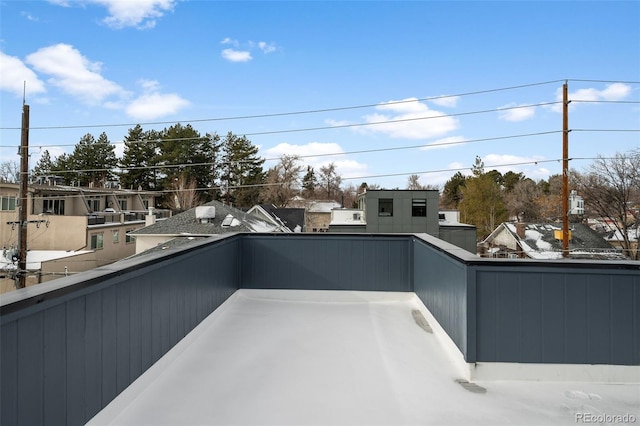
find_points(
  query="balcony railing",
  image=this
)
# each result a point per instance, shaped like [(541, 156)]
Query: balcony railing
[(69, 346)]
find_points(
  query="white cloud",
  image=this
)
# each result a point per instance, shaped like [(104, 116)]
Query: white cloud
[(153, 104), (29, 16), (514, 112), (238, 54), (409, 119), (233, 55), (444, 143), (507, 162), (266, 47), (446, 101), (13, 75), (73, 73), (612, 92), (346, 168), (141, 14)]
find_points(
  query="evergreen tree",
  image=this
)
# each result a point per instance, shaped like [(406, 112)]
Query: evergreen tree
[(185, 154), (452, 192), (93, 160), (139, 159), (309, 183), (242, 174), (44, 166)]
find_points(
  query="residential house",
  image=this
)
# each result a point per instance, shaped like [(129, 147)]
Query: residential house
[(615, 238), (72, 220), (404, 211), (212, 218), (317, 213), (544, 241)]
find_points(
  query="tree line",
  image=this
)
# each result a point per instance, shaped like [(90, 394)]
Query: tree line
[(188, 168), (610, 188)]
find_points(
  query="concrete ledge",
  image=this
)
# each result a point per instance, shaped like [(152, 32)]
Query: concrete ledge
[(493, 371), (555, 372)]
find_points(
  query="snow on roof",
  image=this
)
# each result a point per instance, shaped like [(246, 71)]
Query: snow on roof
[(539, 241), (36, 257), (295, 357)]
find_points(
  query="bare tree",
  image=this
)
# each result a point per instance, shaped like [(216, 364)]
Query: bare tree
[(9, 172), (184, 195), (329, 181), (413, 182), (283, 181), (520, 201), (610, 187)]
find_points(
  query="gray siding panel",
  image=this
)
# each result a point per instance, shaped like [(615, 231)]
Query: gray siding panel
[(30, 369), (9, 373), (64, 359), (622, 311), (55, 365), (440, 281), (565, 314), (326, 262)]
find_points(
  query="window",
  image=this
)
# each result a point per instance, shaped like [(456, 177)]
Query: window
[(94, 204), (385, 207), (96, 241), (53, 206), (129, 238), (8, 202), (123, 204), (116, 237), (419, 207)]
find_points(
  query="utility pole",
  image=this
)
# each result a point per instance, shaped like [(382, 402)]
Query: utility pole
[(21, 275), (565, 170)]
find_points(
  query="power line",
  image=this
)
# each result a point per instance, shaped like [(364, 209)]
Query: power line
[(603, 81), (432, 145), (584, 101), (271, 132), (290, 113), (258, 185)]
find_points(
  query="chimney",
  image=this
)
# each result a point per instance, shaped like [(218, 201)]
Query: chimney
[(520, 227), (150, 219)]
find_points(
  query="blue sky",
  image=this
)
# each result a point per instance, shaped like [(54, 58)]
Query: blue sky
[(489, 72)]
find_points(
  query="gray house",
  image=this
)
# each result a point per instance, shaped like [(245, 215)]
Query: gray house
[(404, 211)]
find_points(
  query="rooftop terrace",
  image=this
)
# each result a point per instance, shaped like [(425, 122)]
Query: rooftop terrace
[(357, 350)]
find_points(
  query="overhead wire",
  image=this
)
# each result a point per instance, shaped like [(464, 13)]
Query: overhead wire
[(291, 113), (332, 154), (308, 129), (258, 185)]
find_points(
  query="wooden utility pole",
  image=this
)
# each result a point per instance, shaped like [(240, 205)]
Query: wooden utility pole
[(21, 275), (565, 170)]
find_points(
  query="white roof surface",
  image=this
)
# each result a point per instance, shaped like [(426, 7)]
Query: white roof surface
[(338, 358)]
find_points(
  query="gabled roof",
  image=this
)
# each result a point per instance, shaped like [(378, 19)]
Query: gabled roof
[(540, 242), (290, 217), (185, 223)]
